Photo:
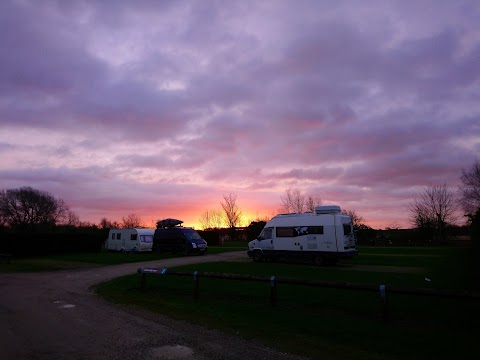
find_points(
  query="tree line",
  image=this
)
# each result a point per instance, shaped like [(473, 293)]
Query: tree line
[(432, 211), (436, 209), (29, 209)]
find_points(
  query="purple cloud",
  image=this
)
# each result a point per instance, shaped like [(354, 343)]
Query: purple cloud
[(162, 107)]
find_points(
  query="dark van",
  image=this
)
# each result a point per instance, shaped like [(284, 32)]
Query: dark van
[(178, 240)]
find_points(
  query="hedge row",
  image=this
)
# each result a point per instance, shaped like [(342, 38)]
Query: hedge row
[(43, 243)]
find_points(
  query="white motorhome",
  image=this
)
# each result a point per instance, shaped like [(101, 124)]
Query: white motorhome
[(138, 239), (322, 236)]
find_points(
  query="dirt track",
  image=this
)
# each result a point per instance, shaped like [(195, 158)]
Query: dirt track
[(55, 315)]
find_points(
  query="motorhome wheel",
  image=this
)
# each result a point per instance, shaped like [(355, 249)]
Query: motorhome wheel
[(319, 260), (257, 256)]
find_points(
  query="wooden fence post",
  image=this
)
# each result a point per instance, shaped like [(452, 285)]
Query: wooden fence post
[(143, 282), (196, 285), (273, 290), (383, 300)]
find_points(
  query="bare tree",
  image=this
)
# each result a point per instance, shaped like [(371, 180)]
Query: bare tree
[(107, 224), (211, 219), (131, 221), (470, 188), (357, 220), (258, 218), (294, 201), (71, 219), (232, 212), (27, 207), (433, 210), (393, 226), (312, 202)]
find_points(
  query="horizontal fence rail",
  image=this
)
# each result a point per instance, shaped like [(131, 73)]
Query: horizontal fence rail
[(382, 289), (319, 283)]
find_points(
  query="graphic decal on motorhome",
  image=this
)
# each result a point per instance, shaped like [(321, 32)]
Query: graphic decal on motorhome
[(294, 231)]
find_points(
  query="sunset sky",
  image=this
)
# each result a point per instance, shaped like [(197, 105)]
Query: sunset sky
[(159, 108)]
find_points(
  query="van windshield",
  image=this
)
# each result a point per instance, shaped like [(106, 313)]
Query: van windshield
[(191, 234)]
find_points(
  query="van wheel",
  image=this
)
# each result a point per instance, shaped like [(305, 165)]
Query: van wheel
[(319, 260), (257, 256)]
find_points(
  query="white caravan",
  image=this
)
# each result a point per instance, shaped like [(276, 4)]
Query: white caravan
[(322, 236), (138, 239)]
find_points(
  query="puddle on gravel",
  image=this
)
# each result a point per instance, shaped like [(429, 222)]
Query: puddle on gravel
[(67, 306), (172, 352), (63, 305)]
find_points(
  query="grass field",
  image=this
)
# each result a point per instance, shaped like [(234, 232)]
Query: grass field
[(326, 323), (81, 260)]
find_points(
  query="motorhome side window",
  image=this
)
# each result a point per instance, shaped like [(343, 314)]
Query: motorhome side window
[(315, 230), (133, 237), (119, 236), (113, 236), (294, 231), (347, 229), (266, 234), (286, 232)]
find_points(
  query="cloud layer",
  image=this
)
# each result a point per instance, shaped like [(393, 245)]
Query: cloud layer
[(160, 108)]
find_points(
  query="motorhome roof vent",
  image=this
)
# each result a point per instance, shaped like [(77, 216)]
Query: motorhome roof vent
[(327, 209)]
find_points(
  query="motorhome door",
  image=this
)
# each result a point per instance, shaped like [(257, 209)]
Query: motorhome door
[(266, 239)]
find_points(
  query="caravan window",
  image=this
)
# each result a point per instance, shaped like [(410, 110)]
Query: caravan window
[(133, 237), (146, 238), (119, 236), (113, 236)]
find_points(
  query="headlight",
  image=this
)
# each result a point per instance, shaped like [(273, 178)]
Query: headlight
[(194, 245)]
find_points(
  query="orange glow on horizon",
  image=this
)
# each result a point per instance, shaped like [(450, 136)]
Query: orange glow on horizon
[(192, 219), (190, 215)]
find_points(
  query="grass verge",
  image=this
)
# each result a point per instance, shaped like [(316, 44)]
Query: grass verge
[(318, 322), (82, 260)]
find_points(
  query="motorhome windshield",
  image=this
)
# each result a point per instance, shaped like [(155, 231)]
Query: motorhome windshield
[(191, 234), (266, 234)]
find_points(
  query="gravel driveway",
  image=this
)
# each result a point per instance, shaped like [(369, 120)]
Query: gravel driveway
[(56, 315)]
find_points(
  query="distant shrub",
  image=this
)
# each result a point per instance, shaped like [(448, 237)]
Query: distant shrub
[(365, 235), (475, 253), (212, 237), (254, 229)]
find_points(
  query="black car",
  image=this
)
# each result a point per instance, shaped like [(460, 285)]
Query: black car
[(178, 240)]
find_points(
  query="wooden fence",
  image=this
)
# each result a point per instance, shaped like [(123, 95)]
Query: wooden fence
[(273, 281)]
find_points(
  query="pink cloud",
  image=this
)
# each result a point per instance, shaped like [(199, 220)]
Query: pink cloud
[(170, 104)]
